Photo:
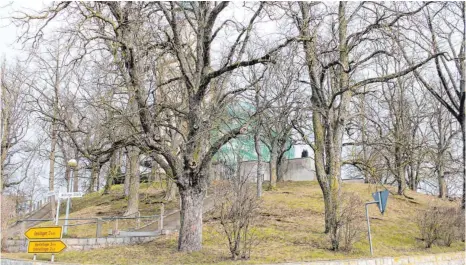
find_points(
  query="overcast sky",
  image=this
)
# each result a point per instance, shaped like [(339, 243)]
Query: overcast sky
[(8, 32)]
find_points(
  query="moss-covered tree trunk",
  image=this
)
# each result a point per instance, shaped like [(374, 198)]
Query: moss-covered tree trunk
[(127, 179), (190, 236), (328, 123), (95, 171), (273, 166), (113, 172), (133, 197)]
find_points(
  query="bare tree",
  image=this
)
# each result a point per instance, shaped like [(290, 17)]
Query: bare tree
[(450, 92), (333, 66), (14, 124), (184, 33), (284, 96)]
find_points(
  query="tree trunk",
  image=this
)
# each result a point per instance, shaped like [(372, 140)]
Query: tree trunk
[(112, 172), (401, 180), (97, 179), (442, 192), (127, 175), (76, 178), (463, 110), (319, 164), (190, 236), (93, 177), (257, 138), (399, 168), (153, 173), (273, 167), (260, 171), (335, 208), (171, 189), (3, 131), (442, 186), (133, 198), (53, 144), (363, 134), (440, 165), (67, 177), (280, 169), (463, 129), (328, 208), (281, 157)]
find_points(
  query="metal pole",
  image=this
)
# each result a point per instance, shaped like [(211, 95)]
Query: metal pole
[(380, 202), (98, 230), (162, 212), (369, 226), (65, 229), (58, 209)]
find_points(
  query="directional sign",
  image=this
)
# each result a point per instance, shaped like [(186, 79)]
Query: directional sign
[(70, 195), (53, 232), (381, 197), (50, 246)]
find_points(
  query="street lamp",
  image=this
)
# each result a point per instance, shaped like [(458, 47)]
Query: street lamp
[(72, 163)]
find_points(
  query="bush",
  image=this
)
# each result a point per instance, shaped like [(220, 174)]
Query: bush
[(236, 206), (460, 223), (440, 225), (447, 231), (350, 221)]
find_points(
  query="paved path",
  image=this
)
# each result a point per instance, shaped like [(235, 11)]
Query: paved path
[(17, 229), (172, 218)]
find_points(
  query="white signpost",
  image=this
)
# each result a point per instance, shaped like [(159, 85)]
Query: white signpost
[(59, 195), (66, 195)]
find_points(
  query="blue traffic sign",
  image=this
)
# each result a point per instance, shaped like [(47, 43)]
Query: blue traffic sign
[(381, 197)]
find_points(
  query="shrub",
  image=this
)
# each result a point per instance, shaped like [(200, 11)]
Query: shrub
[(350, 223), (440, 225), (460, 223), (428, 222), (447, 231), (236, 206)]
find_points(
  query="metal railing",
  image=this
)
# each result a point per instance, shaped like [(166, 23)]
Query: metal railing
[(100, 221)]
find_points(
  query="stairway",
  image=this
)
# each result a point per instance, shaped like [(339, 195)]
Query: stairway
[(42, 213)]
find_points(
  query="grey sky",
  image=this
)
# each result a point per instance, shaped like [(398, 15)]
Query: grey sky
[(8, 32)]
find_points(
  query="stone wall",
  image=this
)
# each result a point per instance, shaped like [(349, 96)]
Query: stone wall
[(20, 245), (456, 258)]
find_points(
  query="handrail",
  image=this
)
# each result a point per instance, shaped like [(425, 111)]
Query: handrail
[(92, 218), (100, 220)]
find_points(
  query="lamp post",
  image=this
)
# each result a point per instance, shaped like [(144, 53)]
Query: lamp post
[(72, 163)]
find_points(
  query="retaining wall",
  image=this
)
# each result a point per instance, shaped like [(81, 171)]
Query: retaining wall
[(296, 169), (20, 245), (456, 258)]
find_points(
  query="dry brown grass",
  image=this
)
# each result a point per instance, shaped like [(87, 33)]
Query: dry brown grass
[(291, 230)]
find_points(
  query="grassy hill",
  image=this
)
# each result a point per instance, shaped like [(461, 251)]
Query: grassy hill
[(112, 204), (290, 229)]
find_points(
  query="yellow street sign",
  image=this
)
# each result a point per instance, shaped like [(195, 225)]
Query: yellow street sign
[(53, 232), (51, 246)]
